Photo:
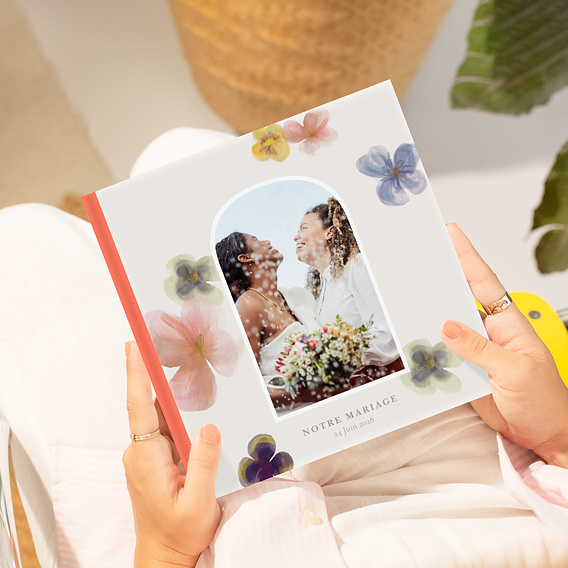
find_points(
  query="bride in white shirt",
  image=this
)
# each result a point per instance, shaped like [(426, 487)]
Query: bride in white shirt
[(340, 282)]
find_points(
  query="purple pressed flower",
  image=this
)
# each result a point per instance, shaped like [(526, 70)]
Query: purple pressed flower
[(395, 175), (189, 280), (428, 367), (264, 462)]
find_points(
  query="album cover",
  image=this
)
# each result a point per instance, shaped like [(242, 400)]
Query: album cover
[(289, 286)]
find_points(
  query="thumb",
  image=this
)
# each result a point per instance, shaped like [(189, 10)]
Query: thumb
[(473, 347), (203, 463)]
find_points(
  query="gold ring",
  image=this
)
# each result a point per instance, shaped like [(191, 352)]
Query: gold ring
[(142, 437), (498, 306)]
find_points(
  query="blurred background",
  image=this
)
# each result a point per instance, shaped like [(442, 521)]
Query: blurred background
[(86, 86)]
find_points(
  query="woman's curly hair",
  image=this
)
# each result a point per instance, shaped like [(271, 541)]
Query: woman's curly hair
[(228, 251), (342, 245)]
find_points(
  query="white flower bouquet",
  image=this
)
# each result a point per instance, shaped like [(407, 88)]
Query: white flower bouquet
[(327, 356)]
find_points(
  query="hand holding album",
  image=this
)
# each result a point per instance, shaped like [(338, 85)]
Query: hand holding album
[(529, 401), (176, 515)]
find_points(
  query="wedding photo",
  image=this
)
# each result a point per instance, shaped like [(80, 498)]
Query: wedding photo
[(307, 303)]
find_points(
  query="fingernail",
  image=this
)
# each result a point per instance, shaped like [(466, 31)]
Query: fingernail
[(209, 433), (127, 348), (452, 329)]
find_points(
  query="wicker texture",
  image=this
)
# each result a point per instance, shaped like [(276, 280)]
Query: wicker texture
[(259, 62)]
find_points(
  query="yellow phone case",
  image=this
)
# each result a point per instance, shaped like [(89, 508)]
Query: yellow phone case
[(547, 324)]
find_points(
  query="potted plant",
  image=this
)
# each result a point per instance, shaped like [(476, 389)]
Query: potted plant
[(517, 59)]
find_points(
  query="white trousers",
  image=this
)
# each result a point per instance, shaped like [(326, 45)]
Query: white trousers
[(62, 331)]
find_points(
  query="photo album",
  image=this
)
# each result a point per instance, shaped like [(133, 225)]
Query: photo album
[(289, 286)]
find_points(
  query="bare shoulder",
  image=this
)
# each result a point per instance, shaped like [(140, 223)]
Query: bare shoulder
[(250, 304)]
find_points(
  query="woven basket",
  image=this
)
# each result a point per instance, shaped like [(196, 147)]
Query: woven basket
[(259, 62)]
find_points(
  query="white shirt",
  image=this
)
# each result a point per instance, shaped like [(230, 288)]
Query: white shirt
[(353, 297)]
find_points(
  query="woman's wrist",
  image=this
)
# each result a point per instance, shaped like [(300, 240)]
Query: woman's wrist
[(154, 556), (559, 458), (555, 451)]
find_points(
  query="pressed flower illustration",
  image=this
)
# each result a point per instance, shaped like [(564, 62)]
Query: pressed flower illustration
[(396, 175), (428, 367), (193, 343), (270, 144), (312, 134), (264, 462), (189, 280)]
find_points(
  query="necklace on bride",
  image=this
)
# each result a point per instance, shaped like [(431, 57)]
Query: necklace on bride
[(283, 308)]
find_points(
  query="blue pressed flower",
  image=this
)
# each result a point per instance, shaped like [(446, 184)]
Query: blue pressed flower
[(264, 462), (396, 175), (428, 365), (189, 280)]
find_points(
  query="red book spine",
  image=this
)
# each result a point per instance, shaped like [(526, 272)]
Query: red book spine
[(138, 325)]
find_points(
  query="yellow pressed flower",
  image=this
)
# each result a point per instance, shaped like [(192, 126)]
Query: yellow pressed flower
[(270, 144)]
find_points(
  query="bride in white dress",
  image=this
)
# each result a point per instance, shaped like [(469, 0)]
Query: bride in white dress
[(268, 315)]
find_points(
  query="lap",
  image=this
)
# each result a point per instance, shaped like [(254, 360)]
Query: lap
[(430, 495)]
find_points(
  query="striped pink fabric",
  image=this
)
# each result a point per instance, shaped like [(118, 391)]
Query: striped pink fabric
[(275, 522), (278, 521), (265, 523), (93, 515), (548, 481), (542, 486)]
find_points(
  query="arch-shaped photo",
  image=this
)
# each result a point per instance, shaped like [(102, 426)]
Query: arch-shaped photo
[(302, 288)]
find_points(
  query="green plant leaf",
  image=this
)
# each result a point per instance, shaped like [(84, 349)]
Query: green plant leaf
[(553, 208), (517, 56), (552, 251)]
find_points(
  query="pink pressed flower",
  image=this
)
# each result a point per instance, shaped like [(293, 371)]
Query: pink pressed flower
[(193, 343), (312, 133)]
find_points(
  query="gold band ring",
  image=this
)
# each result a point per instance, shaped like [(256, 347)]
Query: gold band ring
[(142, 437), (498, 306)]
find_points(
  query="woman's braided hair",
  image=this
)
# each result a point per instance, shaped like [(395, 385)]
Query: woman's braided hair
[(342, 245)]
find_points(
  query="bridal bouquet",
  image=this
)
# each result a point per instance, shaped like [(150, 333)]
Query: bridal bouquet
[(328, 356)]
